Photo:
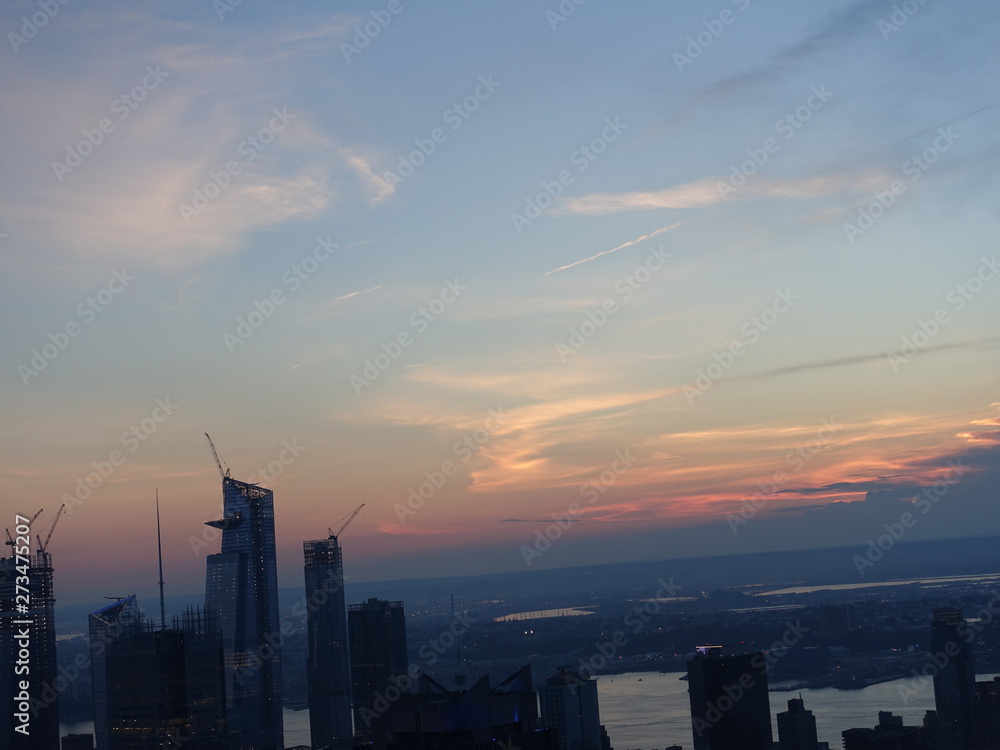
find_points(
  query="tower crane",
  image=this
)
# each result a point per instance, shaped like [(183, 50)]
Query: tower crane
[(346, 523), (10, 539), (215, 455), (43, 546)]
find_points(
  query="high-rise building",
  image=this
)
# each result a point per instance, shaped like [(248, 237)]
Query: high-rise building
[(481, 717), (569, 706), (241, 595), (28, 653), (955, 682), (78, 742), (377, 638), (797, 727), (156, 688), (328, 666), (729, 703)]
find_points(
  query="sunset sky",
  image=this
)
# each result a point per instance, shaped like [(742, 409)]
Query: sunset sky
[(641, 257)]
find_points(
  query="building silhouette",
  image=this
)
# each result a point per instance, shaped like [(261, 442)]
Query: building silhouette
[(570, 707), (888, 734), (377, 638), (797, 727), (328, 666), (241, 596), (156, 688), (28, 653), (78, 742), (484, 718), (955, 681), (729, 703)]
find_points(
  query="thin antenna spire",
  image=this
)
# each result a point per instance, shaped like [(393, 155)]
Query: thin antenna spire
[(159, 554)]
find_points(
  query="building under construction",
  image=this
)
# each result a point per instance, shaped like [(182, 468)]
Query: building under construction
[(28, 646)]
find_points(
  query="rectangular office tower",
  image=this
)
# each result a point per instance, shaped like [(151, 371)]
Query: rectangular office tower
[(569, 706), (729, 704), (955, 682), (328, 666), (156, 688), (241, 596), (377, 638), (28, 654)]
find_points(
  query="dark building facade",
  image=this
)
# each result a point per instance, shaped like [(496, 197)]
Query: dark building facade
[(729, 702), (156, 688), (377, 639), (480, 718), (241, 596), (955, 681), (797, 727), (570, 707), (328, 666), (28, 653)]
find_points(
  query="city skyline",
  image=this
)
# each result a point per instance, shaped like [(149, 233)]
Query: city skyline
[(684, 281)]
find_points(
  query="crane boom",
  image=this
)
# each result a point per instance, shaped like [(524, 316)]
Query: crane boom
[(215, 455), (43, 547), (348, 521), (10, 539)]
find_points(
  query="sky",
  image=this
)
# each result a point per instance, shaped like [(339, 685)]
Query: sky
[(541, 284)]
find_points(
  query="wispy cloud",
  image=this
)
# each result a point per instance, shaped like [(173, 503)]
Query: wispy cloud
[(630, 243)]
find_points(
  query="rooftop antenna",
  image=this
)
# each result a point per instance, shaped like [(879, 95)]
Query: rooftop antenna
[(159, 554), (215, 455)]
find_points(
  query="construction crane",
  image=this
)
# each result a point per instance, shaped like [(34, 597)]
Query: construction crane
[(215, 455), (346, 523), (10, 539), (42, 547)]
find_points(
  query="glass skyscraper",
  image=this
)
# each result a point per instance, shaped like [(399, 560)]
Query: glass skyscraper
[(241, 596), (377, 637), (328, 666)]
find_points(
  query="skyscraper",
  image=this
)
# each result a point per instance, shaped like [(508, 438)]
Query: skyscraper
[(377, 638), (328, 666), (157, 688), (241, 595), (569, 706), (955, 682), (729, 703), (28, 653), (797, 727)]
